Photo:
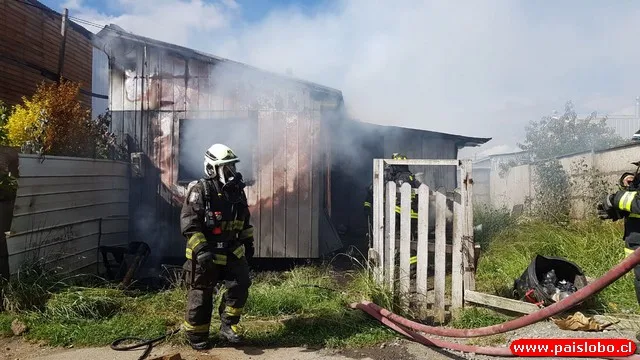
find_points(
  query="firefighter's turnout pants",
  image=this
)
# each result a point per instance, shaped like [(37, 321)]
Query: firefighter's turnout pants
[(201, 283), (630, 247)]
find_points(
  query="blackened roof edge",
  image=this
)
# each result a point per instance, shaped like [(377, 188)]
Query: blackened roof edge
[(123, 34), (461, 140)]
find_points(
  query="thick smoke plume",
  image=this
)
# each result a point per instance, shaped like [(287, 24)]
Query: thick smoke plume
[(470, 68)]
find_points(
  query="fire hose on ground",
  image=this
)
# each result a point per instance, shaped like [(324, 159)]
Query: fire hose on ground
[(405, 326)]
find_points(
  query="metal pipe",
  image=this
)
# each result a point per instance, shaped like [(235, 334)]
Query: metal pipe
[(576, 298), (483, 350)]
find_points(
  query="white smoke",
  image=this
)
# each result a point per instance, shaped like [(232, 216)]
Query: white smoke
[(469, 68)]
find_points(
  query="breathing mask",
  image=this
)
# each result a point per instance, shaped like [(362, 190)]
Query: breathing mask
[(232, 182)]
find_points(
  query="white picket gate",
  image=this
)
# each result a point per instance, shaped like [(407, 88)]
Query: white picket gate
[(394, 272)]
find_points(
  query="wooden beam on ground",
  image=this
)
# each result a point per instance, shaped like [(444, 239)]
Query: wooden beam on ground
[(499, 302)]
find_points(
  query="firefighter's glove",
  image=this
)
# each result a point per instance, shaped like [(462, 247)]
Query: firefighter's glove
[(204, 257), (249, 249), (606, 210)]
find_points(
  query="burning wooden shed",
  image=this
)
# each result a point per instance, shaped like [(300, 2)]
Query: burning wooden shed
[(169, 103)]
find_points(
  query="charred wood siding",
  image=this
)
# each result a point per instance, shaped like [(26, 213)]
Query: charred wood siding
[(30, 42), (149, 103)]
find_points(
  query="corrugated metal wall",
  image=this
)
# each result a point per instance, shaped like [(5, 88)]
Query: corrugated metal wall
[(30, 40), (150, 102), (58, 208)]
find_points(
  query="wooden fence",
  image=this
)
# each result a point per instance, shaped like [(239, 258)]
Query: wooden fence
[(65, 208), (391, 256)]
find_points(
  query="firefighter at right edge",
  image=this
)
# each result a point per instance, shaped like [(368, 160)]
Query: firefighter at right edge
[(625, 204), (215, 222)]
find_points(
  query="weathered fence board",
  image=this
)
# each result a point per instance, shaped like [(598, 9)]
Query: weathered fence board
[(440, 259), (422, 261), (457, 271), (43, 185), (51, 166), (405, 242), (378, 223), (390, 234), (467, 237)]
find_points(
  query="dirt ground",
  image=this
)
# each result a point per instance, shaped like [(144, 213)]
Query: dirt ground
[(17, 349)]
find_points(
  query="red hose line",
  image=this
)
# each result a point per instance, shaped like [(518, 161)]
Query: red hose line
[(495, 351), (483, 350), (579, 296)]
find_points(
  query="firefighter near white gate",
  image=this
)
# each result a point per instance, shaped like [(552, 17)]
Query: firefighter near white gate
[(215, 222), (399, 174)]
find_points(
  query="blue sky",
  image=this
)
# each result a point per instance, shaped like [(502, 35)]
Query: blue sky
[(255, 10), (479, 68)]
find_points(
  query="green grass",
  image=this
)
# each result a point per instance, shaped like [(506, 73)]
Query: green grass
[(475, 317), (305, 306), (595, 246), (493, 222), (5, 324)]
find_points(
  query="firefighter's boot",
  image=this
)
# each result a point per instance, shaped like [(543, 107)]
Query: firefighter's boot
[(200, 345), (230, 332)]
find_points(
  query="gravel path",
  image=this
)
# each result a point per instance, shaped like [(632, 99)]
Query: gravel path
[(16, 349)]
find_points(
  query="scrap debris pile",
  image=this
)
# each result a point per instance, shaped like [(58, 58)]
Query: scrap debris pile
[(548, 280), (557, 289)]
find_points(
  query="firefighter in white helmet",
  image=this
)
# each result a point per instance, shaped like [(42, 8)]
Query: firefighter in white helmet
[(215, 221)]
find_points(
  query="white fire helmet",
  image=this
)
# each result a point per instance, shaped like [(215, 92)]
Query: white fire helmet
[(220, 161)]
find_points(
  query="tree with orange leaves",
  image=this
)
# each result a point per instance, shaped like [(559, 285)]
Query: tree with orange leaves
[(55, 122)]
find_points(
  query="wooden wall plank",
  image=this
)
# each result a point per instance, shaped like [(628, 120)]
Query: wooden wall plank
[(51, 202), (31, 166), (265, 243), (317, 185), (28, 186), (290, 193), (55, 255), (255, 188), (55, 236), (304, 184), (54, 218), (279, 185)]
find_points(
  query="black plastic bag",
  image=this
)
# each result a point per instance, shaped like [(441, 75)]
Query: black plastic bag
[(544, 275)]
